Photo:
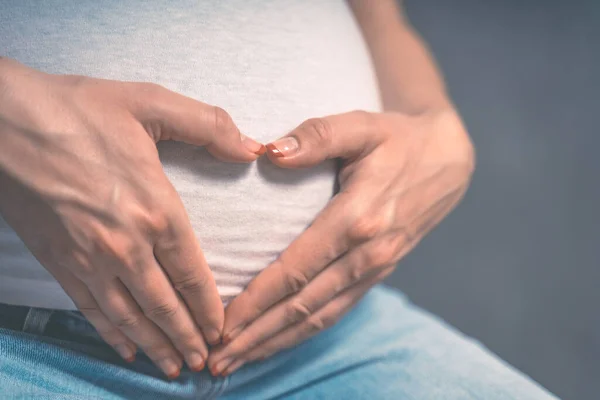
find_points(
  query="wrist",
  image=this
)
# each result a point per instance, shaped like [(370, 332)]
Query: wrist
[(8, 70), (434, 106)]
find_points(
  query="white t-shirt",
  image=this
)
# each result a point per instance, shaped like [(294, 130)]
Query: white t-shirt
[(270, 64)]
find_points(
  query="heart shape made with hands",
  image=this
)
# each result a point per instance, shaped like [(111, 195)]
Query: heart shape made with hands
[(401, 176)]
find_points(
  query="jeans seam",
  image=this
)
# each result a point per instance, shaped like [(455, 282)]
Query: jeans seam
[(221, 389)]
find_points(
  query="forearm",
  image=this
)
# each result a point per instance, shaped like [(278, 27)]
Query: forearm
[(11, 72), (3, 61), (3, 103), (7, 67), (409, 80), (13, 91)]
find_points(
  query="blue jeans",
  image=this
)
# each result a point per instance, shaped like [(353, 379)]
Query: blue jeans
[(385, 348)]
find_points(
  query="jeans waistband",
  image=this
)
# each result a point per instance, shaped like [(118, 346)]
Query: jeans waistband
[(43, 321), (13, 317)]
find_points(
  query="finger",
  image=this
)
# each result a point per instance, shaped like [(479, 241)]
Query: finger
[(355, 266), (323, 319), (158, 300), (88, 306), (348, 136), (122, 310), (232, 367), (350, 269), (346, 222), (286, 276), (167, 115), (179, 253), (321, 243)]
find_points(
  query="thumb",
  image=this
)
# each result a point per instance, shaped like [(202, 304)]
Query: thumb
[(167, 115), (348, 136)]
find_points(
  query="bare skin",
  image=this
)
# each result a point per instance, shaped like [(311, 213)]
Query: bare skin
[(94, 206), (403, 171), (83, 187)]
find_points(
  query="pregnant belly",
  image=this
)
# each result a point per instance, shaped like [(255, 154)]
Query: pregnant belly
[(244, 215), (270, 67)]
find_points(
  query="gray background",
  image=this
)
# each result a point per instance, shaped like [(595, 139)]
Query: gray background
[(517, 265)]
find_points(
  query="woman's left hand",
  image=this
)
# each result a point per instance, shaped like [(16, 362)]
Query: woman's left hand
[(401, 175)]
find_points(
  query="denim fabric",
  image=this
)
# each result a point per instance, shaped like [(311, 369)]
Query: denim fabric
[(385, 348)]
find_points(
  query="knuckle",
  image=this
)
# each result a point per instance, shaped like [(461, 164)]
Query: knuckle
[(130, 257), (169, 236), (365, 227), (191, 283), (297, 311), (161, 206), (128, 321), (329, 320), (356, 272), (338, 285), (223, 121), (330, 252), (409, 232), (319, 130), (154, 221), (372, 258), (81, 265), (315, 324), (158, 222), (162, 311), (118, 248), (294, 280), (380, 254)]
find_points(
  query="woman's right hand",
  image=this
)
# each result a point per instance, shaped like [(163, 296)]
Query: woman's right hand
[(82, 185)]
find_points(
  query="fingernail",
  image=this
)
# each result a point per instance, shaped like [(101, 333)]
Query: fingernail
[(195, 361), (253, 146), (221, 365), (263, 150), (169, 367), (232, 335), (125, 352), (284, 147), (233, 367)]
